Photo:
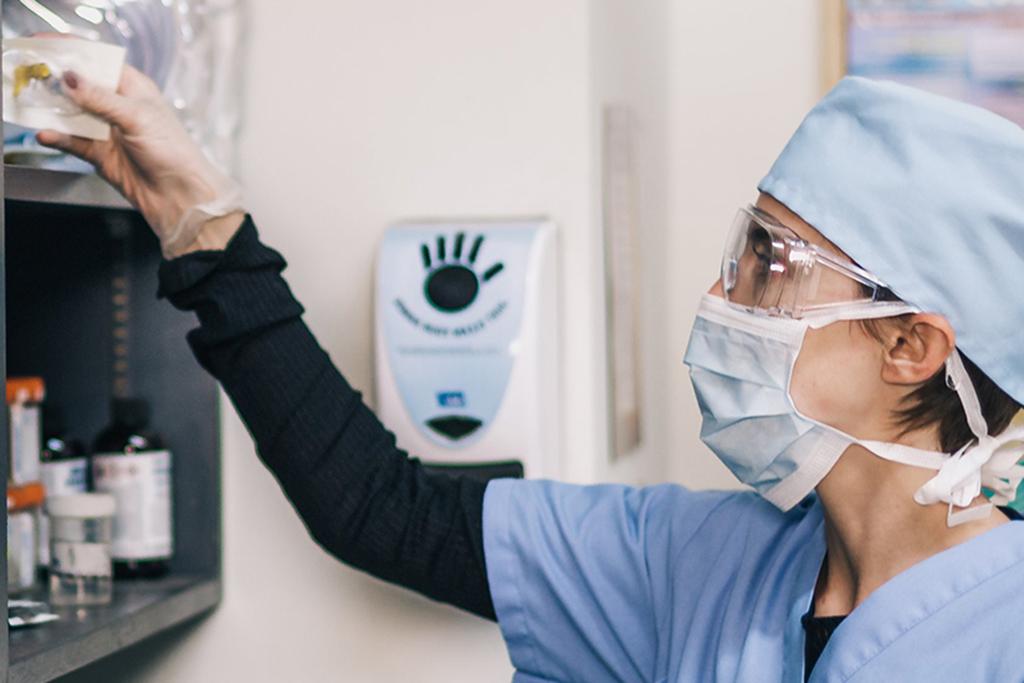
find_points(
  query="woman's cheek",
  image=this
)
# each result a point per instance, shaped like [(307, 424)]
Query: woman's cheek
[(829, 382)]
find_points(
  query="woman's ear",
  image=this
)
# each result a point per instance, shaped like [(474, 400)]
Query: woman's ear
[(917, 349)]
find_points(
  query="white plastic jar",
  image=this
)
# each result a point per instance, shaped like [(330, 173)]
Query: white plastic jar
[(81, 531)]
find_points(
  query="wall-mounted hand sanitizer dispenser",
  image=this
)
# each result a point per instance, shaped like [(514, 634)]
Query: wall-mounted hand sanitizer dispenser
[(467, 349)]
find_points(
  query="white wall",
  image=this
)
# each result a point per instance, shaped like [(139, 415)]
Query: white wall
[(362, 113)]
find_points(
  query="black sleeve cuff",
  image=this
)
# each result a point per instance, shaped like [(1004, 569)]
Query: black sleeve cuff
[(244, 252), (235, 293)]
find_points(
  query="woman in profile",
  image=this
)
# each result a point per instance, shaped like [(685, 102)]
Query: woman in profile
[(858, 364)]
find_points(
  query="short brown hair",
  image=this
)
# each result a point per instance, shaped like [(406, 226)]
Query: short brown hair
[(935, 403)]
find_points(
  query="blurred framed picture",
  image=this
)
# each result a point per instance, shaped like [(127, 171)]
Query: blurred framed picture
[(971, 50)]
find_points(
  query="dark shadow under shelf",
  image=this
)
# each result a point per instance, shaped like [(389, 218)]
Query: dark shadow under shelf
[(139, 610)]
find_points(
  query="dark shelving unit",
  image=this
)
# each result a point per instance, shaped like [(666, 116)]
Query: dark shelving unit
[(79, 275), (66, 238)]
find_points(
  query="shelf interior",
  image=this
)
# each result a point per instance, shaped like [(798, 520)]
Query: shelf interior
[(59, 327)]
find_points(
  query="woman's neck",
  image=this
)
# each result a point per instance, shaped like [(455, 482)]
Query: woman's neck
[(874, 530)]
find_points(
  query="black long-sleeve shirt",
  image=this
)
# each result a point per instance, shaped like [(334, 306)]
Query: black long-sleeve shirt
[(362, 499)]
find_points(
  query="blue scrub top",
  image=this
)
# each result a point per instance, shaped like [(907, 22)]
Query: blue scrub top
[(612, 583)]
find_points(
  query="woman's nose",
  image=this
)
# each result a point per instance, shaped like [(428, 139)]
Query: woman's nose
[(717, 290)]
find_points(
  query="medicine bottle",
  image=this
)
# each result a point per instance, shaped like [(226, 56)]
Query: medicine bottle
[(23, 511), (130, 463), (24, 400), (65, 469)]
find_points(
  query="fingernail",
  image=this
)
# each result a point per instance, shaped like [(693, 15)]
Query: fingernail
[(71, 79)]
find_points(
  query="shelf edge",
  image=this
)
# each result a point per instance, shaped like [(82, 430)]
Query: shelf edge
[(192, 601), (61, 188)]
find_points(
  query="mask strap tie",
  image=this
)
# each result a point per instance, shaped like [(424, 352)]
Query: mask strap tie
[(989, 461)]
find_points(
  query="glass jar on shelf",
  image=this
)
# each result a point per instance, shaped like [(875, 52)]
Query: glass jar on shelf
[(81, 531)]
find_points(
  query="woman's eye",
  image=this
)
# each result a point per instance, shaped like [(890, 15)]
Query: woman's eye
[(761, 247)]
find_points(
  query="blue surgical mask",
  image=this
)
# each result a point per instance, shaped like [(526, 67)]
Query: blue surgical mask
[(741, 365)]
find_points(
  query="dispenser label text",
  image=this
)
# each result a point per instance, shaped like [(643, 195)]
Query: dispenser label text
[(437, 330)]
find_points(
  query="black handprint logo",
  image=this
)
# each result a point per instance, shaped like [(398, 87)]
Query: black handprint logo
[(453, 284)]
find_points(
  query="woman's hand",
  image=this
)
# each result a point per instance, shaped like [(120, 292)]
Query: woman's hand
[(153, 162)]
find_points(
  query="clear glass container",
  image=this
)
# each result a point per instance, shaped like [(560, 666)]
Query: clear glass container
[(81, 531)]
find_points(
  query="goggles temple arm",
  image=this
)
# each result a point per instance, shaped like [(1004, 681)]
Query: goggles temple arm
[(848, 269)]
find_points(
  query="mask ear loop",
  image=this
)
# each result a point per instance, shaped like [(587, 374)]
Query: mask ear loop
[(959, 381)]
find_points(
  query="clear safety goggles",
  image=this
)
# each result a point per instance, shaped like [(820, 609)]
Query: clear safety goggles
[(767, 268)]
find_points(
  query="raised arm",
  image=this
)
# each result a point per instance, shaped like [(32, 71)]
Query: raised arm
[(361, 498)]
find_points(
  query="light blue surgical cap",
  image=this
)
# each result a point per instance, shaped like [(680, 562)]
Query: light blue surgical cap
[(928, 194)]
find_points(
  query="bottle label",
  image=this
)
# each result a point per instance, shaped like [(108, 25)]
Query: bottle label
[(64, 477), (141, 486), (43, 559), (26, 442), (73, 558)]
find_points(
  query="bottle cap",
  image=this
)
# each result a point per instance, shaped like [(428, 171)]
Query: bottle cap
[(25, 390), (132, 412), (57, 447), (25, 496), (81, 505)]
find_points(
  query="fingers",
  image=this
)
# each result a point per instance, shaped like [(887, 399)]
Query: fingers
[(111, 107), (80, 147), (134, 83)]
